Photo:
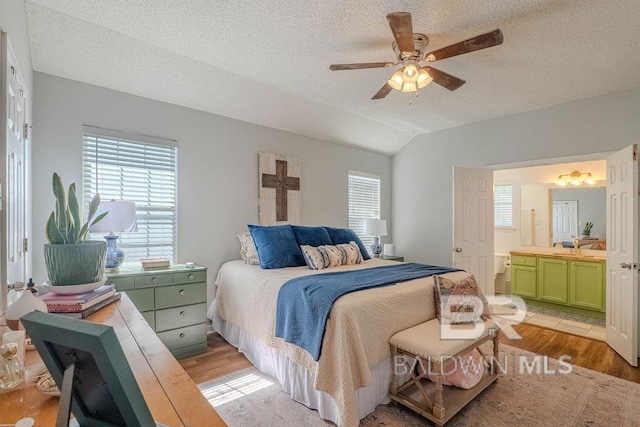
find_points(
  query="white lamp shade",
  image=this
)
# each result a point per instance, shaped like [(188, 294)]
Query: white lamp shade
[(121, 217), (375, 227)]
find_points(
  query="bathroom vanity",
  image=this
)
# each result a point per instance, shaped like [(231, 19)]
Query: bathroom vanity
[(566, 281)]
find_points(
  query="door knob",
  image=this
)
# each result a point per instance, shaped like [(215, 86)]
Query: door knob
[(626, 265), (458, 250)]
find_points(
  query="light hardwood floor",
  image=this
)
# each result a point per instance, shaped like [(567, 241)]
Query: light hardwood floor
[(221, 358)]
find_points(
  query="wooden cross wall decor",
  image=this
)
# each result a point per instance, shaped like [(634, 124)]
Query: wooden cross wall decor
[(279, 189)]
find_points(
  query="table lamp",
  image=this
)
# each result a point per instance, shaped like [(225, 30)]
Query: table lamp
[(376, 227), (121, 218)]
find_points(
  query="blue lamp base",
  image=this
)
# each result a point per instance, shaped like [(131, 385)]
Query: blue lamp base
[(115, 255), (376, 248)]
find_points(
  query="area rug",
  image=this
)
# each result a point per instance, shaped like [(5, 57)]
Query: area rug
[(524, 395)]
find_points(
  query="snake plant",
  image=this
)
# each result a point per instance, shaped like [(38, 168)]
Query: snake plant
[(587, 228), (64, 225)]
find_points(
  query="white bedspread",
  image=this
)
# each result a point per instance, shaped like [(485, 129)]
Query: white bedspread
[(357, 333)]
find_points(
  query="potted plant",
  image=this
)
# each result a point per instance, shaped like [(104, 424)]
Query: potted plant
[(69, 258), (586, 232)]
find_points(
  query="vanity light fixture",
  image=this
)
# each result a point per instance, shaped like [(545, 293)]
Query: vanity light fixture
[(576, 178)]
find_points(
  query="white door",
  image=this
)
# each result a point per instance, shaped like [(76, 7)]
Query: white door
[(15, 188), (622, 253), (565, 221), (12, 170), (473, 226)]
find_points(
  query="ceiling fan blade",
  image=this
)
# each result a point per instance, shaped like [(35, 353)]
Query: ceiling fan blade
[(444, 79), (482, 41), (384, 91), (360, 66), (402, 29)]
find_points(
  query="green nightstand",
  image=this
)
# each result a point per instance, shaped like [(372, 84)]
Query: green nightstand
[(392, 258), (173, 301)]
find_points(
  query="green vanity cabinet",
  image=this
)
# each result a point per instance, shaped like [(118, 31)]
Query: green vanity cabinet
[(557, 280), (553, 280), (524, 279), (174, 303), (586, 284)]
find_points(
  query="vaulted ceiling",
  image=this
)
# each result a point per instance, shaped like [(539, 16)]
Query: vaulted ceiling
[(267, 62)]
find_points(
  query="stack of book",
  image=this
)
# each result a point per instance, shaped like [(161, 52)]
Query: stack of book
[(81, 305), (154, 263)]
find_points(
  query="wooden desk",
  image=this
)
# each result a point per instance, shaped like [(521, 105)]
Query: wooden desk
[(172, 397)]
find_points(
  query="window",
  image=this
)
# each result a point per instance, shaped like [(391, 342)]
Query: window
[(503, 205), (140, 169), (364, 202)]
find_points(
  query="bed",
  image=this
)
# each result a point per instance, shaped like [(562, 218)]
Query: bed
[(353, 373)]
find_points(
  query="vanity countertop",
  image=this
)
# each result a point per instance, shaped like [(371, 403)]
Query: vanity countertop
[(562, 255)]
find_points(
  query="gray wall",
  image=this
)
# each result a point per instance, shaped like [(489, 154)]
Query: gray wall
[(217, 165), (422, 170)]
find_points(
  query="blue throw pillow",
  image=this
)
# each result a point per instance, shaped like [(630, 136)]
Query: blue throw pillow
[(345, 235), (312, 236), (277, 246)]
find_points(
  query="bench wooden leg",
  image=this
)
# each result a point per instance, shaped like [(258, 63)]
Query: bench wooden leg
[(496, 353), (438, 407), (393, 389)]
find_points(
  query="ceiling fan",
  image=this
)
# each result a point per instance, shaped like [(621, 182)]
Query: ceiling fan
[(410, 49)]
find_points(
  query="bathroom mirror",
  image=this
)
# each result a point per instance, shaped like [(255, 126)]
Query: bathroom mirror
[(574, 208)]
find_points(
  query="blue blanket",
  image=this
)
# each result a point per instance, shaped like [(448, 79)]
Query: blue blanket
[(304, 303)]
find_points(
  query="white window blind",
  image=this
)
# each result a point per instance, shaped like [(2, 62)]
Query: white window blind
[(503, 205), (364, 203), (139, 169)]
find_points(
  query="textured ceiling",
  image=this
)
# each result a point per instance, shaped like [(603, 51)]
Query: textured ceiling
[(267, 62)]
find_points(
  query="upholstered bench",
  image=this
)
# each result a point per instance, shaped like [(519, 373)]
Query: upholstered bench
[(420, 351)]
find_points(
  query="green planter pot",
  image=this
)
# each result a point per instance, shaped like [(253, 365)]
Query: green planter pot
[(75, 264)]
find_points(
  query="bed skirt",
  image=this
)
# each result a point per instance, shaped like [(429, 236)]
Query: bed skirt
[(297, 381)]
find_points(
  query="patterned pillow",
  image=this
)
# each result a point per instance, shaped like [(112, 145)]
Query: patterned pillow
[(459, 302), (248, 251), (326, 256), (350, 253)]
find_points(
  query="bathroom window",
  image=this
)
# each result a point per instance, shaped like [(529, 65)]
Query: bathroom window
[(503, 206)]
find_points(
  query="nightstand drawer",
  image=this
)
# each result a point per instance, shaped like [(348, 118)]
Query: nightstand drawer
[(177, 295), (121, 283), (190, 277), (142, 298), (149, 280), (184, 337), (177, 317)]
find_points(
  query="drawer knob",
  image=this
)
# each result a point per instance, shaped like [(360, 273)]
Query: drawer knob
[(522, 260), (182, 335), (182, 292), (154, 280), (190, 276), (182, 313)]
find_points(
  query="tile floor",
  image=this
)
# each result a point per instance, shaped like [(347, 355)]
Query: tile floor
[(577, 324)]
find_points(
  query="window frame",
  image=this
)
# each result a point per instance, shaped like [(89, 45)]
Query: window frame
[(91, 179), (367, 240), (497, 203)]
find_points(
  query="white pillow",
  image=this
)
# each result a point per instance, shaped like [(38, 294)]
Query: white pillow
[(248, 251)]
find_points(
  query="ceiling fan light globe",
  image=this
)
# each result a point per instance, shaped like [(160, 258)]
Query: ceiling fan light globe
[(410, 73), (409, 87), (423, 78), (396, 80), (590, 181)]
